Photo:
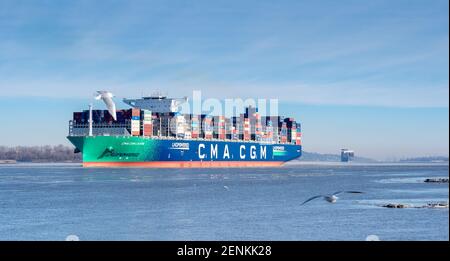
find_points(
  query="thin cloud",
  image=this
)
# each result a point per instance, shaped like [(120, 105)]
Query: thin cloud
[(358, 54), (345, 93)]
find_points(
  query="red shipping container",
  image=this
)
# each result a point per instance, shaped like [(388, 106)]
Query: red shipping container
[(298, 141), (136, 112), (148, 130)]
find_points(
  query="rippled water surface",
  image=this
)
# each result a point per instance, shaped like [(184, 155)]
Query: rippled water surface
[(50, 202)]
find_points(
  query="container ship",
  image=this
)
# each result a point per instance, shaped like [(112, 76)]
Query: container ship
[(153, 133)]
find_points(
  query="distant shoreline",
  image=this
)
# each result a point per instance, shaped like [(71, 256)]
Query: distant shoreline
[(287, 164), (14, 162), (65, 154), (8, 161), (353, 163)]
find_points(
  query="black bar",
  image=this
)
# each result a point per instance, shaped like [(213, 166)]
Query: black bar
[(256, 249)]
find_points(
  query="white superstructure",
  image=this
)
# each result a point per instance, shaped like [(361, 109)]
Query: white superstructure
[(159, 104)]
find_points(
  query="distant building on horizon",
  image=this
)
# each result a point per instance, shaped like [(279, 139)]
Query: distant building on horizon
[(347, 155)]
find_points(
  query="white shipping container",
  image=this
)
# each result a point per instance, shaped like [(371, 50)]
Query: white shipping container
[(135, 126)]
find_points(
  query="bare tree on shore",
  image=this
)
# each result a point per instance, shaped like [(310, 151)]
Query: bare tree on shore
[(47, 153)]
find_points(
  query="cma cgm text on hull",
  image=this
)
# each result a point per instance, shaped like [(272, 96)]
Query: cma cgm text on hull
[(156, 135)]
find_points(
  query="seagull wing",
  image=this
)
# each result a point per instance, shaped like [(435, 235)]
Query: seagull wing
[(340, 192), (308, 200), (110, 105)]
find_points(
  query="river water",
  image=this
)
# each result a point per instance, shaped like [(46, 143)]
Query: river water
[(53, 201)]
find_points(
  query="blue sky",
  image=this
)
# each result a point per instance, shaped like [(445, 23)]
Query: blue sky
[(369, 75)]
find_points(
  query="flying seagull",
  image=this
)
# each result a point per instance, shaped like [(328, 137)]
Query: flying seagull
[(331, 198), (107, 99)]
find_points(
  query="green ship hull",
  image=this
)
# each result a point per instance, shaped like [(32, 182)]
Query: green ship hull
[(138, 151)]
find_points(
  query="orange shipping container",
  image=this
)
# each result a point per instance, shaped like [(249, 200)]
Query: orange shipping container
[(148, 130)]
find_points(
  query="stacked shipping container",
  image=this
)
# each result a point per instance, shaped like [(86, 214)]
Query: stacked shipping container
[(135, 122), (147, 123), (207, 127), (248, 126), (258, 132), (195, 126), (246, 129), (298, 141), (283, 133), (219, 127), (291, 126), (268, 131)]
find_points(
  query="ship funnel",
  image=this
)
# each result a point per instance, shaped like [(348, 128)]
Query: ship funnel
[(107, 99)]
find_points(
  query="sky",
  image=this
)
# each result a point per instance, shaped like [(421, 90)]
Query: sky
[(367, 75)]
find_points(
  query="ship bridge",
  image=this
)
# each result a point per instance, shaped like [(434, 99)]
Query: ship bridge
[(158, 104)]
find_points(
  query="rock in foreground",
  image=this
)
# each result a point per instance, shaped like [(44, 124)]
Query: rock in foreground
[(428, 205), (436, 205), (392, 205), (436, 180)]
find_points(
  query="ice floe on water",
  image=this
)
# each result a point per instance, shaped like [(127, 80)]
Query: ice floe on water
[(410, 180), (438, 203)]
